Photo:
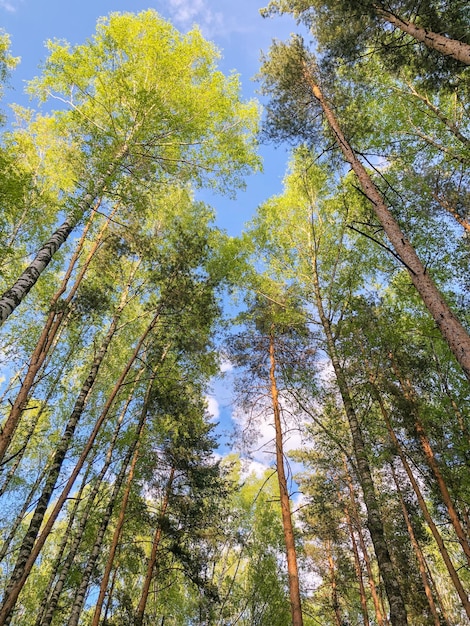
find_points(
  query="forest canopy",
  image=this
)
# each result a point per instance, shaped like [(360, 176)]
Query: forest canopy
[(340, 316)]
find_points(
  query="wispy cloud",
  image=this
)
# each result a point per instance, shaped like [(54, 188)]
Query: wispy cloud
[(213, 407), (10, 7), (185, 13)]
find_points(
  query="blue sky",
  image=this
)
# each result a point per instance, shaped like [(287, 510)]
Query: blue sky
[(238, 31)]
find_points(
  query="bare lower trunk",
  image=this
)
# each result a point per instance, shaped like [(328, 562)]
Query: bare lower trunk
[(292, 569), (453, 48), (358, 568), (418, 553), (46, 339), (55, 593), (31, 547), (334, 586), (139, 616), (80, 595), (423, 506), (64, 543), (374, 521), (51, 480), (426, 447), (379, 613), (122, 512), (452, 330)]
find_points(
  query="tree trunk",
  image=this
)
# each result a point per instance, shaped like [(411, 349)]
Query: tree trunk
[(14, 296), (125, 499), (379, 613), (334, 586), (46, 339), (30, 547), (410, 396), (452, 330), (64, 542), (453, 48), (53, 599), (422, 504), (105, 519), (418, 553), (292, 569), (139, 616), (374, 520), (358, 568)]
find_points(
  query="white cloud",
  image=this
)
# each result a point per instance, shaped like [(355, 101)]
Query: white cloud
[(185, 13), (10, 7), (258, 436), (213, 407), (226, 366)]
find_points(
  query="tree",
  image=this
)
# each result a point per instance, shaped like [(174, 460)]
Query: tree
[(289, 76), (266, 346), (127, 128), (348, 30)]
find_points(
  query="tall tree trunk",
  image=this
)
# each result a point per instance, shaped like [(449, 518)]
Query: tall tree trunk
[(418, 553), (122, 513), (334, 586), (30, 547), (28, 501), (446, 46), (426, 447), (64, 542), (292, 569), (48, 334), (374, 519), (379, 613), (358, 568), (105, 519), (422, 503), (15, 294), (140, 612), (54, 595), (452, 330)]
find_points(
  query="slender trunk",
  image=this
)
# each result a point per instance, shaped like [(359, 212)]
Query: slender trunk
[(447, 206), (46, 339), (422, 505), (454, 129), (14, 296), (374, 520), (358, 568), (426, 447), (418, 553), (17, 523), (379, 613), (292, 569), (25, 559), (445, 618), (105, 519), (53, 599), (452, 330), (125, 499), (115, 541), (334, 586), (64, 542), (16, 589), (139, 616), (18, 456), (446, 46)]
